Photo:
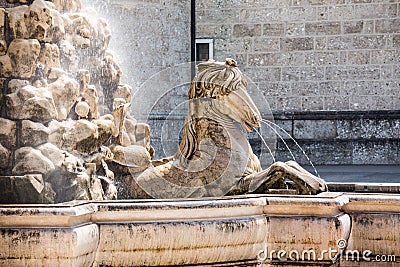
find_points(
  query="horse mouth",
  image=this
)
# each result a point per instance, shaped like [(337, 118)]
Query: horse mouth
[(249, 125)]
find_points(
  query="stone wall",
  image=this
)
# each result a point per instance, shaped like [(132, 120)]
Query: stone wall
[(340, 138), (319, 137), (311, 54)]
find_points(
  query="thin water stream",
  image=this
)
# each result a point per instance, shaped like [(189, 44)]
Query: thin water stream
[(271, 125)]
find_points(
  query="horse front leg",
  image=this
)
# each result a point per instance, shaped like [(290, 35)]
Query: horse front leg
[(306, 183), (304, 177), (258, 182), (274, 178)]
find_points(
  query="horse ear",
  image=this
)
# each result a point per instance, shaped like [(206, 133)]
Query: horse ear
[(230, 62)]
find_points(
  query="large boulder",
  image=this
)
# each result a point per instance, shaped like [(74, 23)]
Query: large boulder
[(62, 160), (84, 30), (123, 91), (40, 21), (65, 92), (130, 159), (76, 186), (53, 153), (33, 133), (8, 130), (85, 136), (49, 57), (57, 130), (17, 25), (80, 135), (27, 189), (33, 189), (30, 160), (65, 179), (20, 60), (31, 103)]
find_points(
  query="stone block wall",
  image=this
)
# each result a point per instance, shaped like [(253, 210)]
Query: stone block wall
[(311, 54), (320, 138), (344, 138)]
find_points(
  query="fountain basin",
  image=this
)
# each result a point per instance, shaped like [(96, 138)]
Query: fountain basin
[(227, 231), (212, 231)]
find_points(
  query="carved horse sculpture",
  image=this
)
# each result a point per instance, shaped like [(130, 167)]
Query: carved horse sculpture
[(214, 156)]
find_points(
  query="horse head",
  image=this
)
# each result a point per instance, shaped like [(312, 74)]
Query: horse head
[(217, 92), (225, 85)]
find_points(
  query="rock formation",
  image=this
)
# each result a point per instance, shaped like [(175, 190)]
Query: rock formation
[(64, 112)]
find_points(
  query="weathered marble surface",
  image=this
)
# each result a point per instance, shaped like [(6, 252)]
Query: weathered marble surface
[(199, 232), (169, 232)]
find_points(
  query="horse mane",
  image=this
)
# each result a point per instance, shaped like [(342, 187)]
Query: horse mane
[(212, 79), (216, 78)]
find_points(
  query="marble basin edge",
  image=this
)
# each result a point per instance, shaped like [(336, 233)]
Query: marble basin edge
[(75, 213)]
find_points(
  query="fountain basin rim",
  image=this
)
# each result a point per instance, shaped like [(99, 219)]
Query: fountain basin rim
[(372, 203), (83, 212), (75, 213)]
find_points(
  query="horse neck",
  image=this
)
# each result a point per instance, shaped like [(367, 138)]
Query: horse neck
[(208, 130), (210, 124), (205, 125)]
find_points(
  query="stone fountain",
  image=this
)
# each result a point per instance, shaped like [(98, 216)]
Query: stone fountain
[(69, 148)]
